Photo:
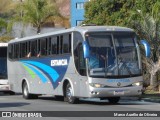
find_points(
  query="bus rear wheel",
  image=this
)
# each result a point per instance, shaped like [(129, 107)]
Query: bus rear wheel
[(113, 100), (59, 98), (12, 93), (26, 93), (69, 95)]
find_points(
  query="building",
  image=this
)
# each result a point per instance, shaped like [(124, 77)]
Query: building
[(77, 12)]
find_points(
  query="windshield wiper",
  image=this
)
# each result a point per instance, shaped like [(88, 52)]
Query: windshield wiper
[(105, 62), (125, 65)]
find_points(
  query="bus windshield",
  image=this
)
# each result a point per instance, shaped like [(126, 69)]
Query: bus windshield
[(3, 63), (113, 55)]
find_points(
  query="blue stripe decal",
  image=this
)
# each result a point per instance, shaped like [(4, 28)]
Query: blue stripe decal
[(44, 80), (50, 71)]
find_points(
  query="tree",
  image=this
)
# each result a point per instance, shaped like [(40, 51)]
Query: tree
[(146, 23), (108, 12), (5, 38), (6, 11), (36, 12), (7, 8), (64, 9), (148, 27), (114, 12), (3, 24), (4, 29)]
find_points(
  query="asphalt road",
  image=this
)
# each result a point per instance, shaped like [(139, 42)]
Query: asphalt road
[(48, 103)]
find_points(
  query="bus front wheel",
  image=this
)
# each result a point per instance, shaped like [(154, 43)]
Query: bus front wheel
[(69, 95), (26, 93)]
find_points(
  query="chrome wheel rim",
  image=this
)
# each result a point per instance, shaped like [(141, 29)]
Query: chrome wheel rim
[(25, 90), (69, 93)]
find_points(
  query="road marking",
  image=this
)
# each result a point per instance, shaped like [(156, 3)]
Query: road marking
[(2, 98)]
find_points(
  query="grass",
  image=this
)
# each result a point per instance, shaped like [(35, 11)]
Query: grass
[(150, 93), (152, 96)]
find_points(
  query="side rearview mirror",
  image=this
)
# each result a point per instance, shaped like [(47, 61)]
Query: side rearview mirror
[(147, 47), (86, 49)]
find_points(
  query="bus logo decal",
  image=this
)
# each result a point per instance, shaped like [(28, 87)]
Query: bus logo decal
[(32, 74), (118, 80), (61, 62), (118, 84), (42, 77), (47, 70)]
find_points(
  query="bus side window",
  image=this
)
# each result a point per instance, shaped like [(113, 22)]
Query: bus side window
[(70, 40), (82, 63), (10, 51), (43, 47), (67, 43), (46, 47), (61, 44), (16, 51), (49, 46), (34, 48), (23, 51), (38, 48), (28, 49), (28, 55), (54, 45), (21, 48)]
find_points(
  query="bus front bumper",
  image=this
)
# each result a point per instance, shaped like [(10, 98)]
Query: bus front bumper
[(4, 88), (115, 92)]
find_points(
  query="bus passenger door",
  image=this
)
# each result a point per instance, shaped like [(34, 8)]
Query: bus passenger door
[(82, 63), (82, 72)]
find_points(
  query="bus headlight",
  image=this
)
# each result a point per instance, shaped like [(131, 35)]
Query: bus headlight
[(137, 84), (96, 85)]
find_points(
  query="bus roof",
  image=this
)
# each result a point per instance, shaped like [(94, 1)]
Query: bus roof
[(3, 44), (81, 29), (103, 28)]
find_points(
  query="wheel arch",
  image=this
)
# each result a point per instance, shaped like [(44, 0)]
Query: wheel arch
[(65, 82), (23, 81)]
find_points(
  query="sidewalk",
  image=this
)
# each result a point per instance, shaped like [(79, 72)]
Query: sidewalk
[(146, 97), (151, 97)]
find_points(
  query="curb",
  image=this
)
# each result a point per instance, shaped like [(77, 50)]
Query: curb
[(141, 99), (151, 100)]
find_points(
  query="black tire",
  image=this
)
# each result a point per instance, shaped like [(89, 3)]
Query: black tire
[(26, 94), (69, 95), (12, 93), (9, 92), (59, 98), (113, 100)]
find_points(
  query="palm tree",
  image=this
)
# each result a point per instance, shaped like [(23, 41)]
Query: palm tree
[(3, 24), (36, 12), (5, 28), (148, 27), (6, 11), (6, 5)]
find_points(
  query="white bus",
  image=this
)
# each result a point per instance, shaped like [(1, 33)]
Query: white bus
[(82, 62), (4, 85)]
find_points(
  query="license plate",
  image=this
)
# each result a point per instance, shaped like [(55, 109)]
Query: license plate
[(119, 92)]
